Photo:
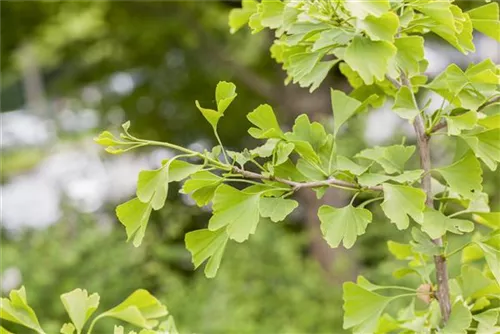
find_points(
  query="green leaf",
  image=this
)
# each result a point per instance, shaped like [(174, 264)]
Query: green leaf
[(225, 93), (344, 224), (272, 13), (436, 224), (459, 321), (382, 28), (440, 11), (454, 174), (205, 244), (399, 250), (423, 244), (362, 9), (140, 309), (344, 107), (318, 73), (391, 158), (401, 202), (487, 321), (238, 17), (134, 215), (491, 250), (472, 280), (331, 37), (346, 164), (490, 219), (372, 179), (362, 308), (410, 53), (276, 208), (212, 116), (80, 306), (486, 146), (379, 54), (456, 124), (267, 125), (152, 185), (16, 309), (283, 151), (485, 20), (405, 105), (202, 186), (237, 210), (307, 137), (67, 328)]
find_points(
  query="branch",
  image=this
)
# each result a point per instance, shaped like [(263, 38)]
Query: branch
[(300, 185), (443, 293)]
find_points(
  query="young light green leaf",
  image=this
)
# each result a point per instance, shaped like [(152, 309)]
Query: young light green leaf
[(267, 125), (467, 186), (307, 137), (212, 116), (391, 158), (67, 328), (283, 151), (202, 186), (410, 53), (344, 224), (238, 17), (16, 309), (362, 308), (362, 9), (423, 244), (405, 105), (472, 280), (486, 146), (80, 306), (372, 179), (140, 309), (490, 219), (225, 93), (459, 321), (465, 121), (491, 250), (134, 215), (399, 250), (380, 54), (485, 20), (381, 28), (487, 322), (205, 244), (408, 176), (436, 224), (272, 13), (401, 202), (276, 208), (237, 210), (346, 164), (343, 108)]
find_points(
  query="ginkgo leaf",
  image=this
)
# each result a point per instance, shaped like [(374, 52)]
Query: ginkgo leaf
[(379, 52), (267, 125), (439, 11), (364, 8), (344, 107), (346, 164), (205, 244), (283, 151), (490, 219), (307, 137), (381, 28), (423, 244), (373, 179), (67, 328), (459, 321), (399, 250), (238, 17), (362, 308), (237, 210), (472, 280), (212, 116), (343, 224), (16, 309), (436, 224), (486, 146), (134, 215), (491, 251), (276, 208), (140, 309), (410, 53), (272, 13), (485, 20), (465, 121), (405, 105), (391, 158), (225, 93), (468, 186), (202, 186), (401, 202), (80, 306), (152, 185)]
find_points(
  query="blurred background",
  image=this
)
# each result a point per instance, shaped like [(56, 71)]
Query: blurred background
[(72, 69)]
